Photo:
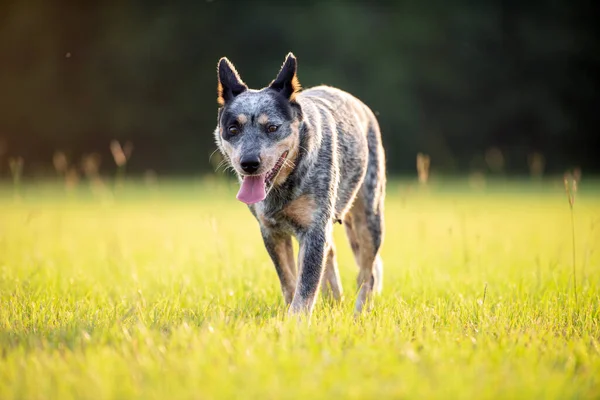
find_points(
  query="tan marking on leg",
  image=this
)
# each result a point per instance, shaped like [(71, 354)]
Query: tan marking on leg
[(242, 119), (332, 284), (348, 224), (263, 119), (363, 235), (301, 210), (362, 245), (285, 253)]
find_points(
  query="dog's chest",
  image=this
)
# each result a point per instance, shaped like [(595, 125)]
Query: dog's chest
[(295, 215)]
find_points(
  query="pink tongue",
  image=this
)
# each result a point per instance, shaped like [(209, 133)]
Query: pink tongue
[(252, 190)]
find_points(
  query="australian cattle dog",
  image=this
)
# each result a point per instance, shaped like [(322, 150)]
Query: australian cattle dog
[(306, 159)]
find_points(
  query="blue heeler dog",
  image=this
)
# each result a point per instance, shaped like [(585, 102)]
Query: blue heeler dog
[(305, 160)]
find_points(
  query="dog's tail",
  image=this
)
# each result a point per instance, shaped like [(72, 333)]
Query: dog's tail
[(375, 177)]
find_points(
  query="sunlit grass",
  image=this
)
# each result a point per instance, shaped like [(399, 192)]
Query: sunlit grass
[(167, 292)]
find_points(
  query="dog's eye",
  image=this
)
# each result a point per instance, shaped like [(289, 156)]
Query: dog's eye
[(272, 128), (234, 130)]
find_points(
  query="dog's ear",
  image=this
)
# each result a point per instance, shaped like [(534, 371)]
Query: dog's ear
[(230, 84), (286, 82)]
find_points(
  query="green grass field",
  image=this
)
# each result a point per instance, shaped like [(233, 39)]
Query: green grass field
[(166, 292)]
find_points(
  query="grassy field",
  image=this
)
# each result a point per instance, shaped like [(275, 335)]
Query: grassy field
[(166, 292)]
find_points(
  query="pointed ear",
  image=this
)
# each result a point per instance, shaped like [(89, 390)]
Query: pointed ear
[(230, 84), (286, 82)]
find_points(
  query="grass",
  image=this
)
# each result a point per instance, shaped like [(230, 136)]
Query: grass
[(167, 292)]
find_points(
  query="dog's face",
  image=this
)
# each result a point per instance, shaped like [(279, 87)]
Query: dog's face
[(258, 130)]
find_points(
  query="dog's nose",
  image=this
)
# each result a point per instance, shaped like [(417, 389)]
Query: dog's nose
[(250, 164)]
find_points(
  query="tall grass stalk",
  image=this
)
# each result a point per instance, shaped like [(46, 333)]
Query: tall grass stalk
[(570, 189)]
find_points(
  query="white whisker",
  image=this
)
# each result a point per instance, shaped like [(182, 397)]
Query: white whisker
[(221, 164), (212, 154)]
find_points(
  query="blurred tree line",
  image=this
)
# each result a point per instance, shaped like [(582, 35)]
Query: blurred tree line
[(449, 79)]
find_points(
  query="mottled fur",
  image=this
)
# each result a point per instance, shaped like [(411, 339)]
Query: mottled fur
[(334, 171)]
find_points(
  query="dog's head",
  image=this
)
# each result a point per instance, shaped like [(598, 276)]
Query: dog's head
[(258, 130)]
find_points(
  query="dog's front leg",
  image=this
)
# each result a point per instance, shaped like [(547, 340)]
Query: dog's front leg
[(279, 247), (314, 244)]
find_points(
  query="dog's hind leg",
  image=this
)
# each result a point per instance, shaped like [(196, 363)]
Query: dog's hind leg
[(364, 224), (364, 230), (365, 251), (331, 284), (279, 247)]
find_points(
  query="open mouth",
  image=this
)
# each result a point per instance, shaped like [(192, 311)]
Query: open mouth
[(270, 177), (255, 188)]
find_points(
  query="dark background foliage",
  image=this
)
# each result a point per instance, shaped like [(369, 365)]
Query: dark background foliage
[(448, 78)]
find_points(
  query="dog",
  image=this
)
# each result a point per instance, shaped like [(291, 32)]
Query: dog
[(305, 160)]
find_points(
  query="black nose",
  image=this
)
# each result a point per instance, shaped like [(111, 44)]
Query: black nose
[(250, 164)]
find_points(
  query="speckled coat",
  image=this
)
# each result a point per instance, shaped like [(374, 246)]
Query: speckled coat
[(334, 171)]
